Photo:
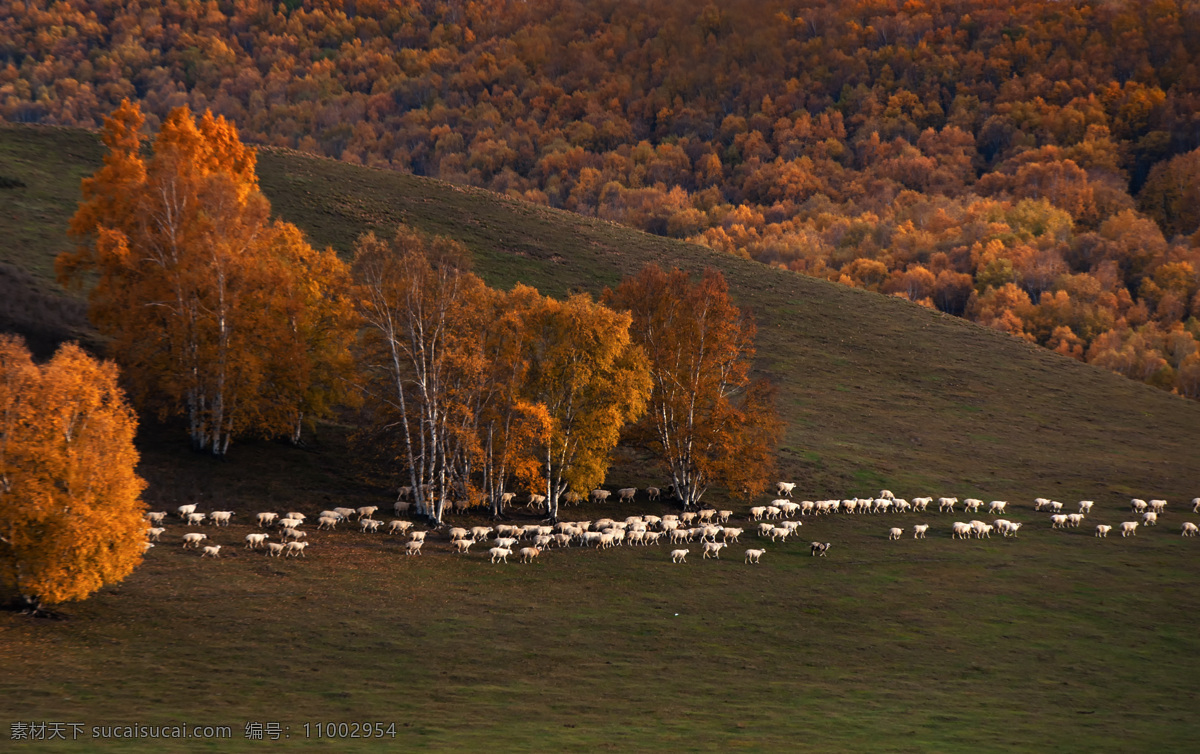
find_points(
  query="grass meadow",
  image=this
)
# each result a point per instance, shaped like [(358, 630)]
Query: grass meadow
[(1054, 640)]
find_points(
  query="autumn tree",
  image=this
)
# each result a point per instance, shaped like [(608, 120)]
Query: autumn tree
[(593, 380), (70, 501), (708, 421), (215, 311), (416, 298)]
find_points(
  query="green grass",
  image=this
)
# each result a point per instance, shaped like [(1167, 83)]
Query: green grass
[(1052, 641)]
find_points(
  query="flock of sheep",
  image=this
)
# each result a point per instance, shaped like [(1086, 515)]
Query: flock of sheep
[(708, 526)]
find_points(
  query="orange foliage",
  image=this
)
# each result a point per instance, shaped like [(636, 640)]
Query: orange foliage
[(70, 503)]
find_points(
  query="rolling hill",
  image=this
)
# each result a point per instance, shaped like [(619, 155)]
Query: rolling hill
[(1053, 639)]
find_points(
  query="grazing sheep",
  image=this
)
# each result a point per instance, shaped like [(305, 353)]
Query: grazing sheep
[(1058, 521), (895, 533), (996, 506), (599, 496), (184, 510), (194, 519), (500, 553), (946, 504), (679, 556), (1129, 528), (819, 548), (1056, 506), (961, 530), (1085, 506), (366, 511), (369, 524), (713, 549), (292, 549), (1196, 505), (784, 489), (1150, 518), (294, 534), (211, 551), (156, 517), (193, 539), (326, 522), (919, 531), (1040, 502), (887, 495), (1102, 530), (254, 541), (1074, 520), (1189, 529), (1138, 506), (529, 553), (752, 556), (462, 545), (274, 549), (155, 532), (413, 546), (220, 518), (266, 518)]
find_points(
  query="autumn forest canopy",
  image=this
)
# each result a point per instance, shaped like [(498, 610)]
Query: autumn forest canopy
[(1032, 166)]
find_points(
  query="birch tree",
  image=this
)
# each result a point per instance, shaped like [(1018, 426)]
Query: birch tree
[(708, 422), (215, 311)]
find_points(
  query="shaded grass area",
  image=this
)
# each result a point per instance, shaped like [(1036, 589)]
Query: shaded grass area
[(1054, 639)]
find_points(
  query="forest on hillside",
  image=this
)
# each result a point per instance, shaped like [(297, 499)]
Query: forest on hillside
[(1031, 165)]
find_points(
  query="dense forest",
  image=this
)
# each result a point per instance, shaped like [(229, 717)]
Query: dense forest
[(1031, 165)]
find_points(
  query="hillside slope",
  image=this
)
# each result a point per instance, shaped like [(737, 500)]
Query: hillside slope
[(876, 391)]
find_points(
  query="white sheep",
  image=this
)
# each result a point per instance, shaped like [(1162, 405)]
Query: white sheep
[(653, 493), (921, 503), (1196, 505), (220, 518), (327, 522), (274, 549), (752, 556), (462, 545), (155, 532), (730, 534), (529, 553), (291, 523), (784, 489), (413, 546), (1138, 505), (886, 495), (946, 504), (401, 507), (1040, 502), (679, 556), (399, 527), (713, 549), (780, 532), (184, 510), (1085, 506), (626, 494), (1056, 506), (919, 531), (500, 553), (972, 504), (194, 519), (1102, 530), (1074, 520), (757, 512), (598, 496), (294, 534), (156, 517), (254, 541), (1150, 518), (192, 539), (266, 518), (1158, 506), (1129, 528), (961, 530), (297, 515), (1189, 529), (366, 511), (895, 533), (147, 545), (369, 524), (345, 512), (1058, 521), (996, 506), (819, 548), (292, 549), (211, 551), (417, 536)]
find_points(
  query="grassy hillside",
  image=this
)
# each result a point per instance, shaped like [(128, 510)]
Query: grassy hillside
[(1053, 639)]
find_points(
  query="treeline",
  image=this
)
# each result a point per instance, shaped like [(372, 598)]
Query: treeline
[(222, 315), (1031, 165)]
